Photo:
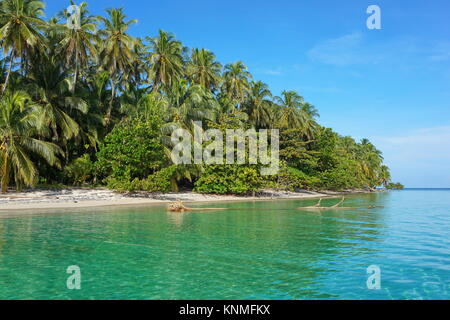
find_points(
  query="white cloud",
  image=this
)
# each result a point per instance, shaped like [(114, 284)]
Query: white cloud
[(342, 51), (270, 72), (357, 49), (274, 72), (321, 89), (423, 144), (441, 52), (420, 158)]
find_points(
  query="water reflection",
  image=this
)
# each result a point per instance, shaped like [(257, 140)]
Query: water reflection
[(253, 250)]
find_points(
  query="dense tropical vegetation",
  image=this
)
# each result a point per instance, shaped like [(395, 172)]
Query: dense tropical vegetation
[(88, 103)]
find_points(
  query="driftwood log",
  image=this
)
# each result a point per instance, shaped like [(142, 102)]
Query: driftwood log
[(178, 206), (337, 206)]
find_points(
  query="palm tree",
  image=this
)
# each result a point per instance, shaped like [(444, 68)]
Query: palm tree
[(20, 122), (384, 175), (310, 125), (370, 160), (51, 88), (348, 147), (203, 69), (166, 60), (139, 72), (77, 44), (290, 115), (236, 81), (117, 54), (309, 110), (20, 23), (138, 102), (187, 104), (258, 104)]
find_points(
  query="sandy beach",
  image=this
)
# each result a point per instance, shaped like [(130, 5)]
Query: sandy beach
[(86, 198)]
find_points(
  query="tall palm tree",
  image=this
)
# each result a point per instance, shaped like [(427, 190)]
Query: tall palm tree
[(20, 123), (309, 110), (384, 175), (203, 69), (19, 30), (187, 104), (290, 115), (139, 73), (236, 81), (50, 87), (117, 54), (139, 102), (258, 104), (370, 160), (310, 125), (348, 147), (166, 59), (77, 43)]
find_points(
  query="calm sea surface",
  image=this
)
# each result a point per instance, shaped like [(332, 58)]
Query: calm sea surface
[(254, 250)]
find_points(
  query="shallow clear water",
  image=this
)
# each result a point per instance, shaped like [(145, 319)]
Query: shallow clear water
[(255, 250)]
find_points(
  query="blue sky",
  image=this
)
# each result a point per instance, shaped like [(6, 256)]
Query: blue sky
[(390, 85)]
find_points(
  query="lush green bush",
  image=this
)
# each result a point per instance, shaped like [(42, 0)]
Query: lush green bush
[(296, 152), (123, 185), (80, 170), (326, 150), (344, 176), (132, 150), (395, 186), (293, 179), (160, 181), (230, 179)]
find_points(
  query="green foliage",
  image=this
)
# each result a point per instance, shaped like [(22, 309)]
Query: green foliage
[(230, 179), (160, 181), (326, 146), (344, 176), (395, 186), (132, 150), (293, 179), (21, 137), (80, 170), (98, 90), (123, 185), (296, 152)]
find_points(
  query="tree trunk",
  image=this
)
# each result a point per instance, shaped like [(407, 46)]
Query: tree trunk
[(75, 77), (113, 94), (11, 58), (67, 154), (5, 174), (55, 132), (5, 61)]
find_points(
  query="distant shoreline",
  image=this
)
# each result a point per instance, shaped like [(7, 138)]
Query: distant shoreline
[(73, 198)]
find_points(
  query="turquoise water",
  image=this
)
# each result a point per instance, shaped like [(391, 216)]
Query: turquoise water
[(255, 250)]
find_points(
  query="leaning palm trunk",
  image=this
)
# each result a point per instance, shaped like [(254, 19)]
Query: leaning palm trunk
[(5, 174), (111, 103), (8, 75), (75, 78)]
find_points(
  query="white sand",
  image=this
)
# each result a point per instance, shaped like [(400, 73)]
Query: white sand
[(86, 198)]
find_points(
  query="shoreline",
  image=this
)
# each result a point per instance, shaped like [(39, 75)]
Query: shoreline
[(78, 198)]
